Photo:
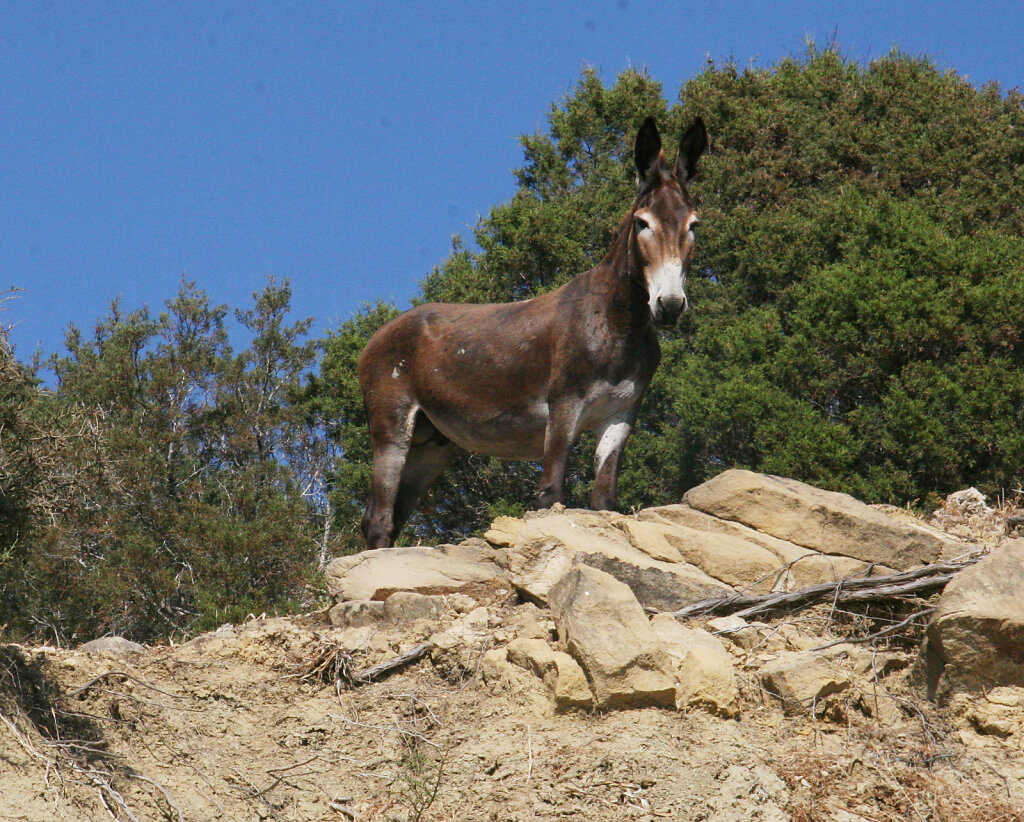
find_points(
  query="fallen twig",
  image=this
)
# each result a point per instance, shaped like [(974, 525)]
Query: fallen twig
[(848, 589), (889, 629), (384, 668), (135, 679)]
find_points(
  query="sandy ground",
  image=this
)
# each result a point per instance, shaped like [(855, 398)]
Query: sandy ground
[(252, 723), (237, 725)]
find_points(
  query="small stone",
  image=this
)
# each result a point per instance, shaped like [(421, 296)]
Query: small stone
[(112, 645)]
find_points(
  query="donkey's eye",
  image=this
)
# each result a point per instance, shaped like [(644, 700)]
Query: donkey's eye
[(640, 223)]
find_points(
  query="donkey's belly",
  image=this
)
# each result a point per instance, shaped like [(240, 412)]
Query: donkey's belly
[(511, 436)]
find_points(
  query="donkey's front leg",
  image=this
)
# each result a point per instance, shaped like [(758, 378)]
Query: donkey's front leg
[(611, 440), (558, 439), (390, 436)]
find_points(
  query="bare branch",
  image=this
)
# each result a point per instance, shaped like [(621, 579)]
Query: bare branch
[(848, 589)]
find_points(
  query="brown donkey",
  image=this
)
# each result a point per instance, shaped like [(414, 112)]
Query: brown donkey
[(523, 380)]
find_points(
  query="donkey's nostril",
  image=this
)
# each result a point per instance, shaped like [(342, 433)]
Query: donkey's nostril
[(669, 310)]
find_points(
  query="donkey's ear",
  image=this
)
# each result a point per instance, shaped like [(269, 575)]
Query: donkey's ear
[(647, 151), (691, 146)]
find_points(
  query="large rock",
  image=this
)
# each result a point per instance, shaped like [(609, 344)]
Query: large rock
[(606, 631), (730, 559), (814, 518), (975, 640), (560, 672), (408, 606), (546, 547), (799, 566), (704, 673), (375, 575)]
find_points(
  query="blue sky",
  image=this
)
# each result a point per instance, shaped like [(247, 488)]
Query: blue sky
[(339, 144)]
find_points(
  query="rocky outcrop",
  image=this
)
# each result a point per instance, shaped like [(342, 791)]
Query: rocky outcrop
[(794, 566), (589, 581), (821, 520), (111, 645), (975, 639), (606, 631)]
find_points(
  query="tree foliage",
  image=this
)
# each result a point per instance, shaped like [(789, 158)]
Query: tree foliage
[(197, 507)]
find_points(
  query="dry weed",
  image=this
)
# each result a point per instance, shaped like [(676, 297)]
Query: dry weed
[(876, 787)]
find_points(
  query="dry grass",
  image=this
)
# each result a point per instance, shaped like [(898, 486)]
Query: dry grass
[(876, 786)]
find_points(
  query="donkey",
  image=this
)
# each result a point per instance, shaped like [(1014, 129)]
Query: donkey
[(522, 380)]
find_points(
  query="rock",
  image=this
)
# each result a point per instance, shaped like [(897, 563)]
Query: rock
[(703, 667), (814, 518), (546, 547), (660, 586), (736, 630), (493, 665), (406, 606), (992, 717), (801, 566), (375, 575), (461, 603), (503, 531), (459, 649), (356, 613), (112, 645), (606, 631), (802, 679), (560, 672), (653, 538), (975, 640)]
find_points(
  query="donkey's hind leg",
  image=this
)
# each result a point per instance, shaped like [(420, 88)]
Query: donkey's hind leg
[(422, 466)]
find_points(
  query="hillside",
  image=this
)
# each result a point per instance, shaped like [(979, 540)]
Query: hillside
[(262, 720)]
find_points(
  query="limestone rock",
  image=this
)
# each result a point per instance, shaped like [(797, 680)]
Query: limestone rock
[(975, 640), (493, 665), (560, 672), (606, 631), (112, 645), (703, 667), (546, 547), (356, 613), (503, 531), (459, 649), (800, 566), (737, 631), (653, 538), (406, 606), (802, 679), (814, 518), (375, 575)]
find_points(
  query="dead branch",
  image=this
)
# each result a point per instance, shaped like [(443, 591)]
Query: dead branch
[(384, 668), (135, 679), (889, 629), (849, 589)]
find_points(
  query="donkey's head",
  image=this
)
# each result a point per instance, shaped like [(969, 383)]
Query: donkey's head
[(664, 219)]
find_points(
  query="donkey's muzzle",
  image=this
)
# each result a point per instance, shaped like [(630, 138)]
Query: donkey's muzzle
[(668, 310)]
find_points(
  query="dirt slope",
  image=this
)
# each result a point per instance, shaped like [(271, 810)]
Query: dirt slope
[(236, 726)]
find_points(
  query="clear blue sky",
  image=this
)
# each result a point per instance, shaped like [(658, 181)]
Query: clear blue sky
[(339, 144)]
